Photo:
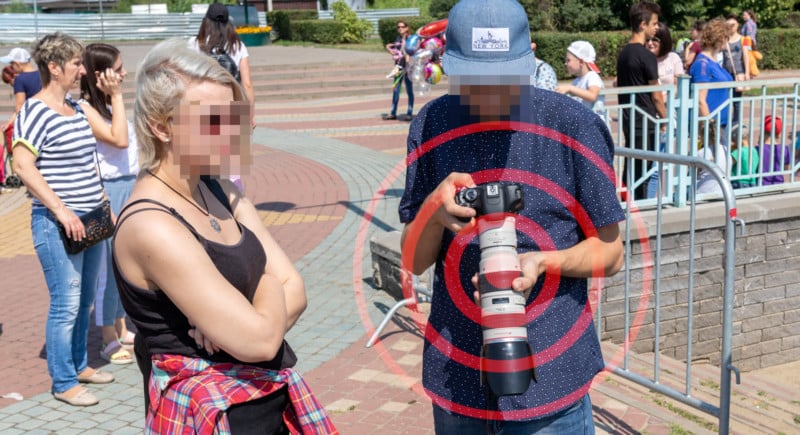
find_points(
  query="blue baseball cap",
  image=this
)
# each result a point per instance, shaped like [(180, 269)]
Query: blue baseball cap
[(488, 38)]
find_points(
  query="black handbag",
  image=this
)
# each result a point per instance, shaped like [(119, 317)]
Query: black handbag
[(97, 222), (99, 227)]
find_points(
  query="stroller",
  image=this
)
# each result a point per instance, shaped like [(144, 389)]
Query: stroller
[(11, 179)]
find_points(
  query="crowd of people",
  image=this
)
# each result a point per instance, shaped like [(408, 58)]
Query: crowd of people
[(212, 294)]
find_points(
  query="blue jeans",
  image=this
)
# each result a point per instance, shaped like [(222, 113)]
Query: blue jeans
[(409, 92), (652, 184), (575, 420), (71, 281), (108, 307)]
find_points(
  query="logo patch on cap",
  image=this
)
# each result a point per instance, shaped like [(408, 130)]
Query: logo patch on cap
[(490, 39)]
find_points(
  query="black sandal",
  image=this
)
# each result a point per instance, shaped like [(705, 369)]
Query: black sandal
[(388, 117)]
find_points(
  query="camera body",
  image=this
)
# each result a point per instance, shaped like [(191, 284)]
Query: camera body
[(507, 364), (492, 198)]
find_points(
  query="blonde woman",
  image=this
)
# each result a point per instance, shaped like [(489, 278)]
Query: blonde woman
[(210, 291)]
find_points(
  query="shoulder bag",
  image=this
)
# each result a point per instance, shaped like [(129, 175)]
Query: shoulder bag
[(97, 222), (737, 76)]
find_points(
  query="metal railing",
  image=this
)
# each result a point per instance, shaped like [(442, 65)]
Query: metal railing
[(16, 28), (691, 166), (687, 134)]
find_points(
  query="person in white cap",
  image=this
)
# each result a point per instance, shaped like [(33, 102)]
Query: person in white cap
[(494, 126), (587, 84), (27, 82)]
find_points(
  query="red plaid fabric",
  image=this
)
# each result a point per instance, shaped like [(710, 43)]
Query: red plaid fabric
[(190, 395)]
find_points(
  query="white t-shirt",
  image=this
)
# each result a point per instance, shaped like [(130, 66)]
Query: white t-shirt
[(706, 183), (117, 162), (668, 67), (585, 82), (237, 57)]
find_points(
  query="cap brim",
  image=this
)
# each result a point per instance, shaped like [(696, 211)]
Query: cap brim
[(593, 67), (457, 66), (6, 59)]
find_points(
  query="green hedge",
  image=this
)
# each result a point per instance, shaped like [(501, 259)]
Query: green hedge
[(321, 31), (780, 47), (296, 14), (281, 24), (387, 27), (281, 20)]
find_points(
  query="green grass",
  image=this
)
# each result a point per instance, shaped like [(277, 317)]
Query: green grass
[(675, 429), (779, 90), (684, 414), (709, 384), (797, 419)]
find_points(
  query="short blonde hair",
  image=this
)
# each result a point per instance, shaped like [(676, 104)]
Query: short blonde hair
[(58, 48), (161, 81)]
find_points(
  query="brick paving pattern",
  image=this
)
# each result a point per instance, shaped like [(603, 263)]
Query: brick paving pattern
[(322, 154)]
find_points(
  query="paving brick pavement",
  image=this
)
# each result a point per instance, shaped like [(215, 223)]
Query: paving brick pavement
[(317, 169)]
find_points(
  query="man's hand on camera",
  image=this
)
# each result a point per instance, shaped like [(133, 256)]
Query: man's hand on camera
[(532, 265), (449, 214)]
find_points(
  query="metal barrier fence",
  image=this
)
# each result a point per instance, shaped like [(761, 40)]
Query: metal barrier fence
[(737, 132), (374, 15), (691, 166), (98, 27), (118, 27)]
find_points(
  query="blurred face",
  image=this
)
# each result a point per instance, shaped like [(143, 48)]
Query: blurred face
[(653, 44), (745, 16), (211, 132), (17, 67), (490, 102), (573, 64)]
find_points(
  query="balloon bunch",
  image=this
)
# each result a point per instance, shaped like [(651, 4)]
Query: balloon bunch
[(425, 49)]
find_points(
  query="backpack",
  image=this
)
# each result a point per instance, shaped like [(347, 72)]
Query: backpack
[(228, 63)]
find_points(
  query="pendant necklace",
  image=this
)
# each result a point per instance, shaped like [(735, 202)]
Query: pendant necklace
[(211, 219)]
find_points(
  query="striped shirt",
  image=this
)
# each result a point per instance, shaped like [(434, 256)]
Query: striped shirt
[(190, 395), (64, 147)]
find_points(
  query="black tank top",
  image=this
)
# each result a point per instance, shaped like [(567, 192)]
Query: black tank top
[(162, 326)]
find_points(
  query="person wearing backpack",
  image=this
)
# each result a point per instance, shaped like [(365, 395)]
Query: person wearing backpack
[(218, 38)]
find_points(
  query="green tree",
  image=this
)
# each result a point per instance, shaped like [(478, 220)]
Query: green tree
[(441, 8), (355, 29), (16, 7)]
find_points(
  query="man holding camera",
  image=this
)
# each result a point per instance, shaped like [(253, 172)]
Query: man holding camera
[(495, 127)]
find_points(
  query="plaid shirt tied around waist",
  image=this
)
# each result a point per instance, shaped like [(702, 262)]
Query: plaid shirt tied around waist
[(191, 395)]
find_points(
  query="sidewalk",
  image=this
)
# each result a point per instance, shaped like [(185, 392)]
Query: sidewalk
[(317, 167)]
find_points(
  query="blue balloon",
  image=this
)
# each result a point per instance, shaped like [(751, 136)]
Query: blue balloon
[(412, 44)]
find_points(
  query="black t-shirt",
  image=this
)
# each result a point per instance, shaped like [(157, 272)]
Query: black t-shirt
[(637, 66)]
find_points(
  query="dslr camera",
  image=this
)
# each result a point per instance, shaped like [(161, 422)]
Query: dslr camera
[(507, 364)]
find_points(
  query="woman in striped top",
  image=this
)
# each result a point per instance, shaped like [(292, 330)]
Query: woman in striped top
[(54, 155)]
